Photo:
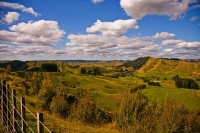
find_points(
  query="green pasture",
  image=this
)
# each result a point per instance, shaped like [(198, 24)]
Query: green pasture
[(107, 92)]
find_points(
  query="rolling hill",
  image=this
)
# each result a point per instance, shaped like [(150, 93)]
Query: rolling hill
[(170, 67)]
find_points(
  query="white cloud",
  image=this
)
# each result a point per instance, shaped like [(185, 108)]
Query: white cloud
[(181, 44), (97, 1), (10, 17), (19, 6), (163, 35), (39, 32), (140, 8), (6, 49), (116, 28), (92, 45), (168, 50), (194, 18), (171, 42), (189, 45), (33, 50)]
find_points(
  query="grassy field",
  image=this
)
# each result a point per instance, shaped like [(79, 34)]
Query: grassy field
[(107, 92)]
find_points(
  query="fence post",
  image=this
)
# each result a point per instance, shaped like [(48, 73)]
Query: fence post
[(40, 127), (4, 104), (8, 107), (14, 111), (23, 115)]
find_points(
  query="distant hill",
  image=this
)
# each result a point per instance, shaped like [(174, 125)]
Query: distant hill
[(170, 66), (15, 65), (141, 65)]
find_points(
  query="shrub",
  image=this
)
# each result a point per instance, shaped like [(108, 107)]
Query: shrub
[(140, 87), (130, 110), (166, 116), (88, 113), (154, 83), (36, 83), (60, 105), (46, 94)]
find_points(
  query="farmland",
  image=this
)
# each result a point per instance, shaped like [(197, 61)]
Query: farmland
[(105, 87)]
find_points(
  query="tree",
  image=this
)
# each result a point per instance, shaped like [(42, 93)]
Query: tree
[(96, 71), (83, 70), (50, 67), (185, 83)]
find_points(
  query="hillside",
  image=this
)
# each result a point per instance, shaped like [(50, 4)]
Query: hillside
[(77, 101), (170, 67)]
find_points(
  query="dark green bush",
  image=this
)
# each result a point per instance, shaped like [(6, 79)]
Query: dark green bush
[(140, 87), (154, 83)]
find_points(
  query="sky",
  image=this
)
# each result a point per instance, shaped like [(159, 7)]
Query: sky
[(99, 29)]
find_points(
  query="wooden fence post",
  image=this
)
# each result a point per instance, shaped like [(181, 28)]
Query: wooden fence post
[(40, 127), (23, 115), (14, 111), (8, 108), (4, 104)]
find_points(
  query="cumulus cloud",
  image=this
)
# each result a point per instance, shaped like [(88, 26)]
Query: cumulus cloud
[(33, 50), (194, 18), (140, 8), (168, 50), (5, 49), (171, 42), (189, 45), (97, 1), (116, 28), (163, 35), (39, 32), (112, 47), (10, 17), (19, 6), (181, 44), (92, 45), (183, 47)]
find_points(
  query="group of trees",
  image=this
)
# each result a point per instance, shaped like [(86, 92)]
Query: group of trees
[(185, 82), (136, 64), (94, 71), (49, 67)]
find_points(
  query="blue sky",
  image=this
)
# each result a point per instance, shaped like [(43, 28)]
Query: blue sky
[(99, 29)]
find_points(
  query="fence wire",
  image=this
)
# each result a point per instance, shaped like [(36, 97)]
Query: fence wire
[(6, 115)]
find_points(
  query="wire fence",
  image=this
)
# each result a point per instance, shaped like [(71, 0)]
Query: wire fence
[(15, 116)]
